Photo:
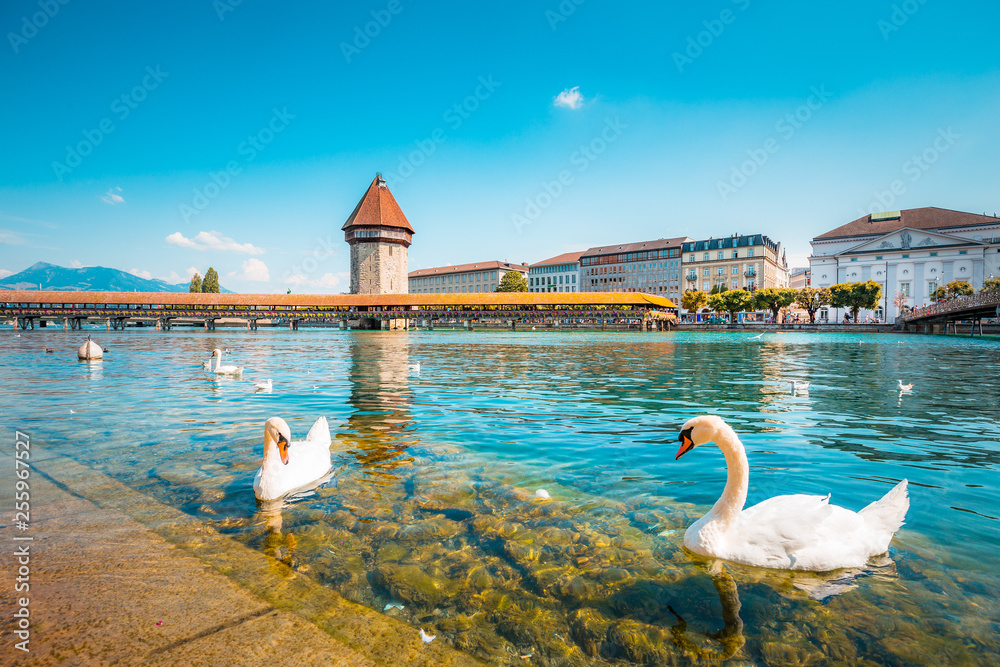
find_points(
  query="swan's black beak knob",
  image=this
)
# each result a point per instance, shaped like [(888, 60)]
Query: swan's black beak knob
[(687, 444)]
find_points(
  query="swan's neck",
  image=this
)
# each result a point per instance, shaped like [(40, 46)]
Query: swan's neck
[(734, 496), (218, 362), (271, 464)]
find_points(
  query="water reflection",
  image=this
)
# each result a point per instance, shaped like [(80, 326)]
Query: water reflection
[(730, 637), (380, 429)]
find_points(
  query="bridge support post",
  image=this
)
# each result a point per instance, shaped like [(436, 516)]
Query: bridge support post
[(15, 324), (65, 323), (293, 325)]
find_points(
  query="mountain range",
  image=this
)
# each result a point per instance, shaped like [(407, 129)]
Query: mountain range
[(86, 279)]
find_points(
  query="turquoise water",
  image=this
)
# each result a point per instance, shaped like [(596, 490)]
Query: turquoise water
[(433, 510)]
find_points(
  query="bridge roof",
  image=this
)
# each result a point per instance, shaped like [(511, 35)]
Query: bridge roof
[(636, 299), (378, 208)]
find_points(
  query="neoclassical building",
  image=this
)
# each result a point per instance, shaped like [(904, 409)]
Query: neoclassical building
[(910, 252), (749, 262), (379, 235)]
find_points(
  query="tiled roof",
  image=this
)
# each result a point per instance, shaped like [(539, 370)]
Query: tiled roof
[(378, 208), (636, 247), (382, 300), (461, 268), (565, 258), (929, 217)]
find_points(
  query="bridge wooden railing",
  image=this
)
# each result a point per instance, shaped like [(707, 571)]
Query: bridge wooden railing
[(955, 306)]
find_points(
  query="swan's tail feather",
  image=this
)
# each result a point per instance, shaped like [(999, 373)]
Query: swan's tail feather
[(888, 512), (320, 432)]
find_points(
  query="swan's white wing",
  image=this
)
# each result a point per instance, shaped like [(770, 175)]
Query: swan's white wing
[(320, 432), (799, 532)]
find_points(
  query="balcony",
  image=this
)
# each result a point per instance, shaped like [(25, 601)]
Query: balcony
[(750, 274)]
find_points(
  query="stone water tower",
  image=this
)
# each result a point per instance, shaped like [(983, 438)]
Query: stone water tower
[(379, 235)]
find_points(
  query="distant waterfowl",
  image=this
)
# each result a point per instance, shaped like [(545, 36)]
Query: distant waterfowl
[(757, 336), (224, 370), (90, 350), (208, 365), (264, 386), (415, 367), (287, 465), (799, 385), (795, 532), (49, 351), (904, 387)]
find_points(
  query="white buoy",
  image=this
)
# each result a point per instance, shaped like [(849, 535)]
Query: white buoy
[(90, 350)]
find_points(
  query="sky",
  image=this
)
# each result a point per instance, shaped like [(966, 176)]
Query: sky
[(162, 138)]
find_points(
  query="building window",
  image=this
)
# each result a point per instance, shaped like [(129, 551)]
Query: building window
[(706, 257), (706, 271), (904, 289), (736, 254), (720, 254), (750, 252), (931, 287), (878, 257), (933, 254), (736, 270), (905, 256), (692, 257), (963, 252), (854, 259), (721, 271)]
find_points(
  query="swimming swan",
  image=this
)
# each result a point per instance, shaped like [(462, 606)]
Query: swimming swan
[(795, 532), (224, 370), (291, 465)]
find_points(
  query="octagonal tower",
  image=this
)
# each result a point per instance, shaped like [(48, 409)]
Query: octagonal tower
[(379, 235)]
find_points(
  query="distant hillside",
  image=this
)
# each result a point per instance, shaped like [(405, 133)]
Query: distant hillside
[(87, 279)]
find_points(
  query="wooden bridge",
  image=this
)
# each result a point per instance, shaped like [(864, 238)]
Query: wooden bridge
[(384, 311), (975, 308)]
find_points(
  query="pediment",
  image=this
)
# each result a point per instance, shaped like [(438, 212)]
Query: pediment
[(908, 238)]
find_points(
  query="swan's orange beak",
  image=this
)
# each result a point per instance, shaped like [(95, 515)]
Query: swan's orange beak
[(687, 444), (283, 448)]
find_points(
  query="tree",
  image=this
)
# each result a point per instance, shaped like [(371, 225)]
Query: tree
[(856, 296), (195, 283), (693, 300), (899, 300), (731, 301), (211, 283), (774, 299), (811, 299), (953, 290), (513, 281), (991, 284)]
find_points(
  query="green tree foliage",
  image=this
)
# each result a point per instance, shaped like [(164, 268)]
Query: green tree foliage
[(513, 281), (811, 299), (774, 299), (718, 289), (693, 300), (954, 289), (731, 301), (211, 283), (991, 284), (856, 296), (195, 283)]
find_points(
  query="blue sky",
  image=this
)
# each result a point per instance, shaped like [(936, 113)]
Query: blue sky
[(241, 134)]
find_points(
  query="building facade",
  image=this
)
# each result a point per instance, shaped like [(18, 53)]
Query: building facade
[(556, 274), (910, 253), (734, 262), (478, 277), (798, 277), (379, 235), (652, 267)]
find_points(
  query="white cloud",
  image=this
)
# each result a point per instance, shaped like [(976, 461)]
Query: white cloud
[(213, 241), (570, 98), (76, 264), (191, 271), (112, 197), (4, 273), (255, 271), (142, 274), (173, 278), (329, 281)]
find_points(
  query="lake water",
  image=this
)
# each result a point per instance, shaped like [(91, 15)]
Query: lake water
[(432, 511)]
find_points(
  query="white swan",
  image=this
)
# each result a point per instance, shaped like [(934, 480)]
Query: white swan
[(799, 385), (264, 386), (291, 465), (904, 387), (795, 532), (415, 368), (224, 370)]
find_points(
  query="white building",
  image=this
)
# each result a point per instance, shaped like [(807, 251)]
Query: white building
[(463, 278), (556, 274), (910, 252)]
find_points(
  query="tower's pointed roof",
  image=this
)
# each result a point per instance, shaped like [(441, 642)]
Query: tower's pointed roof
[(378, 208)]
